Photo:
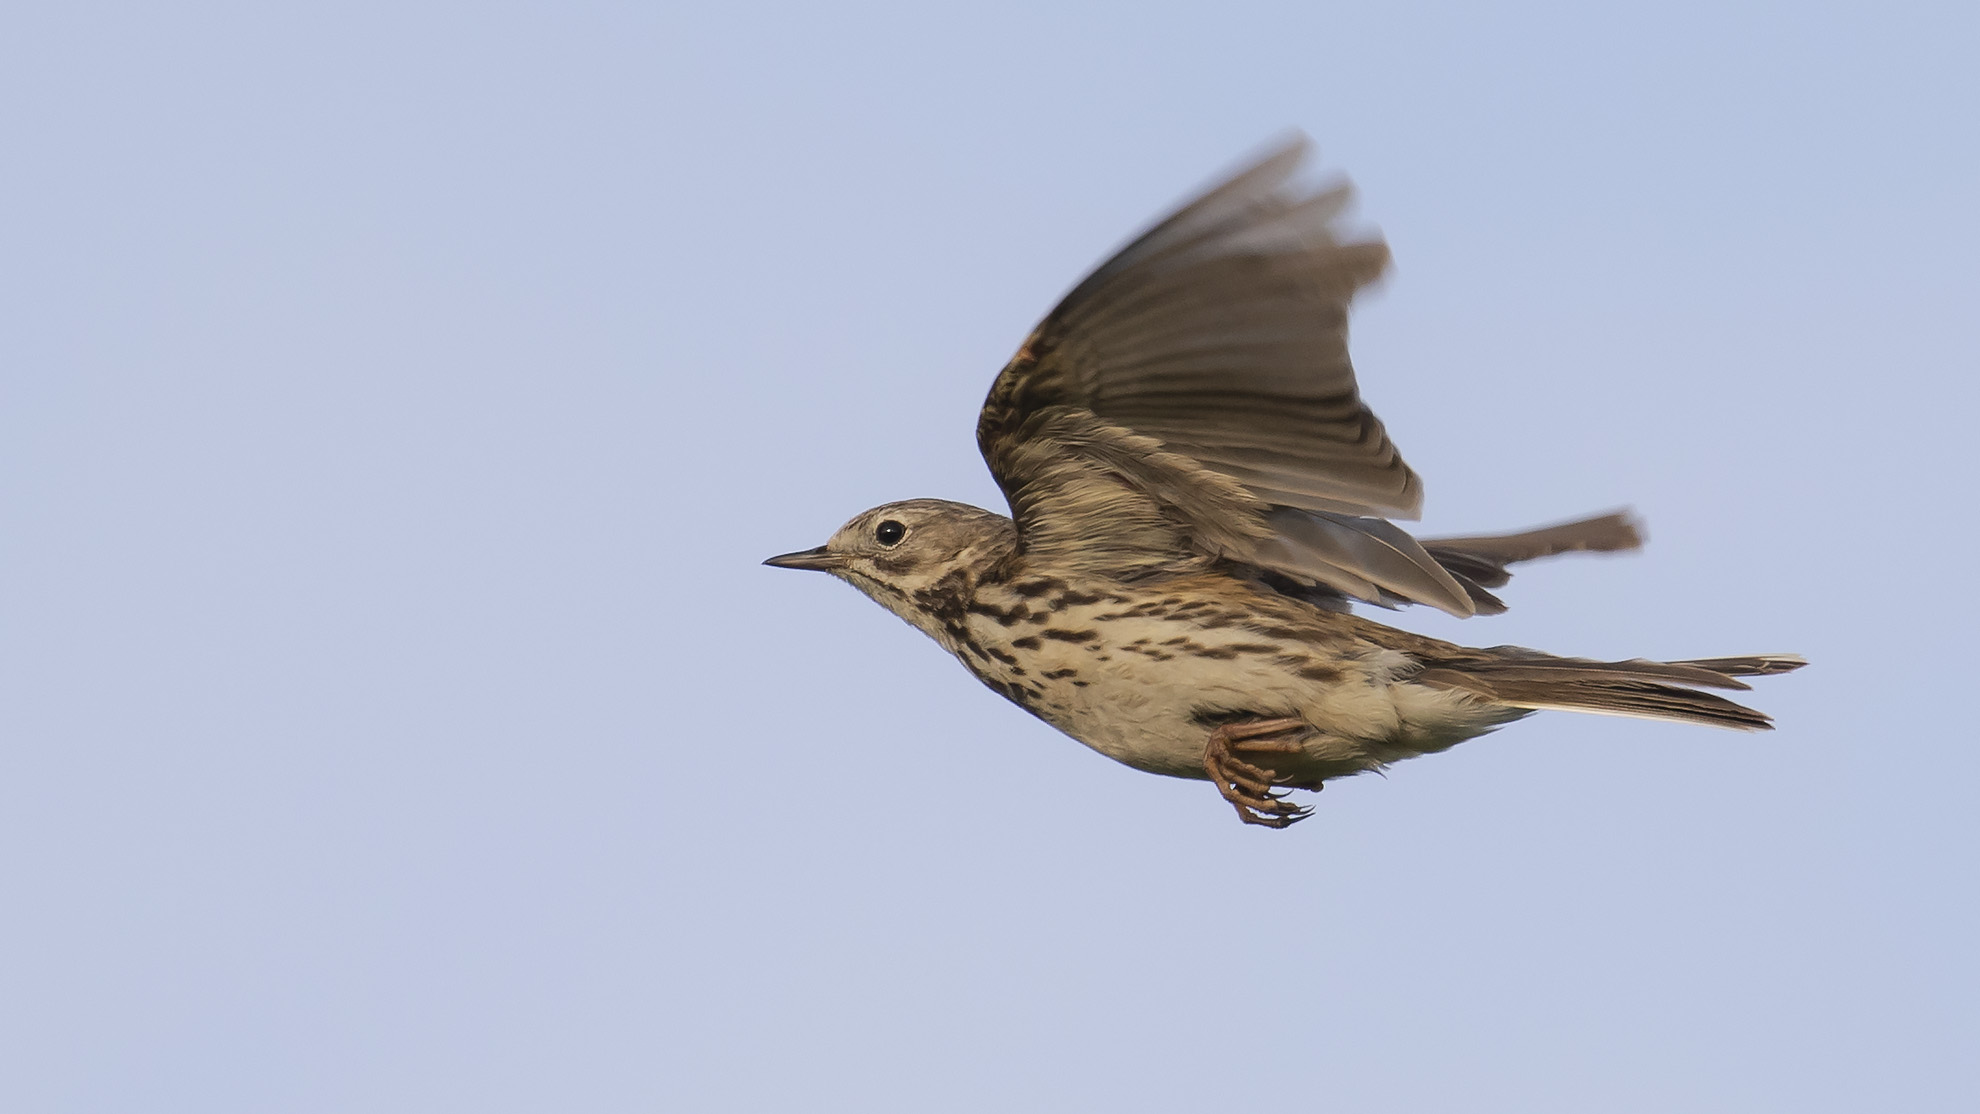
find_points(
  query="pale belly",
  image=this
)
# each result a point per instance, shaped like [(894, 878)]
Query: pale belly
[(1146, 699)]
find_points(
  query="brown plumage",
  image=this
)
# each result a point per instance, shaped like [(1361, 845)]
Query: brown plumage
[(1198, 496)]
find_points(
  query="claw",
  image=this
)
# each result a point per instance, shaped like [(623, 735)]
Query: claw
[(1279, 816), (1257, 793), (1247, 777)]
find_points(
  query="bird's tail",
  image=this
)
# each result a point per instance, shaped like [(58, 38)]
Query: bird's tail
[(1669, 690)]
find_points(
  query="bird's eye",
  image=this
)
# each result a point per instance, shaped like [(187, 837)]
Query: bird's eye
[(889, 532)]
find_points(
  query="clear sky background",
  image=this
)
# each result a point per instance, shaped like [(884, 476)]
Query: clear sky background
[(396, 400)]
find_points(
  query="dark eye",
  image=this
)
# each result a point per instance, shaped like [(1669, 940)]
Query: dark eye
[(889, 532)]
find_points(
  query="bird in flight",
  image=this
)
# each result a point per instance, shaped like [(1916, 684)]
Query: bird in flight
[(1198, 497)]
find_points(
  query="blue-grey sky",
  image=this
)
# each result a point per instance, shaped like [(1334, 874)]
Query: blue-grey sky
[(396, 400)]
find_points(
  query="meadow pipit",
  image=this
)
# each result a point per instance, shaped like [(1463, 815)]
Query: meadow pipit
[(1197, 496)]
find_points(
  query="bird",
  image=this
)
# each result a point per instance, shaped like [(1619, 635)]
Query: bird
[(1199, 499)]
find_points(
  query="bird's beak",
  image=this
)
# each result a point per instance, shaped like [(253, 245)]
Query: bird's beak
[(815, 559)]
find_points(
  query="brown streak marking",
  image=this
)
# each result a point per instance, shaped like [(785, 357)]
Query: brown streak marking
[(1007, 659), (1004, 618)]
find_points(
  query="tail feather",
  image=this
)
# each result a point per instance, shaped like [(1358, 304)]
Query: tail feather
[(1755, 665), (1662, 690)]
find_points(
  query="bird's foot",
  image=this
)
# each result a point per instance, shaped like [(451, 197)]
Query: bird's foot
[(1256, 791)]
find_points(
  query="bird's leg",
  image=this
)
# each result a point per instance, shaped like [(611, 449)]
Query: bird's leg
[(1249, 787)]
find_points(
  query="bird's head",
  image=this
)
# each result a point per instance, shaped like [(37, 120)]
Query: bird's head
[(913, 557)]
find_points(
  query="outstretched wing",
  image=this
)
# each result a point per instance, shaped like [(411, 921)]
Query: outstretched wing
[(1193, 397)]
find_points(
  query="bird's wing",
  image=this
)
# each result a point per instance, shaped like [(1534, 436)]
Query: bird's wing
[(1193, 395), (1483, 560)]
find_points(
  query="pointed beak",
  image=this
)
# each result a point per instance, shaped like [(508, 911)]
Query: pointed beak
[(815, 559)]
